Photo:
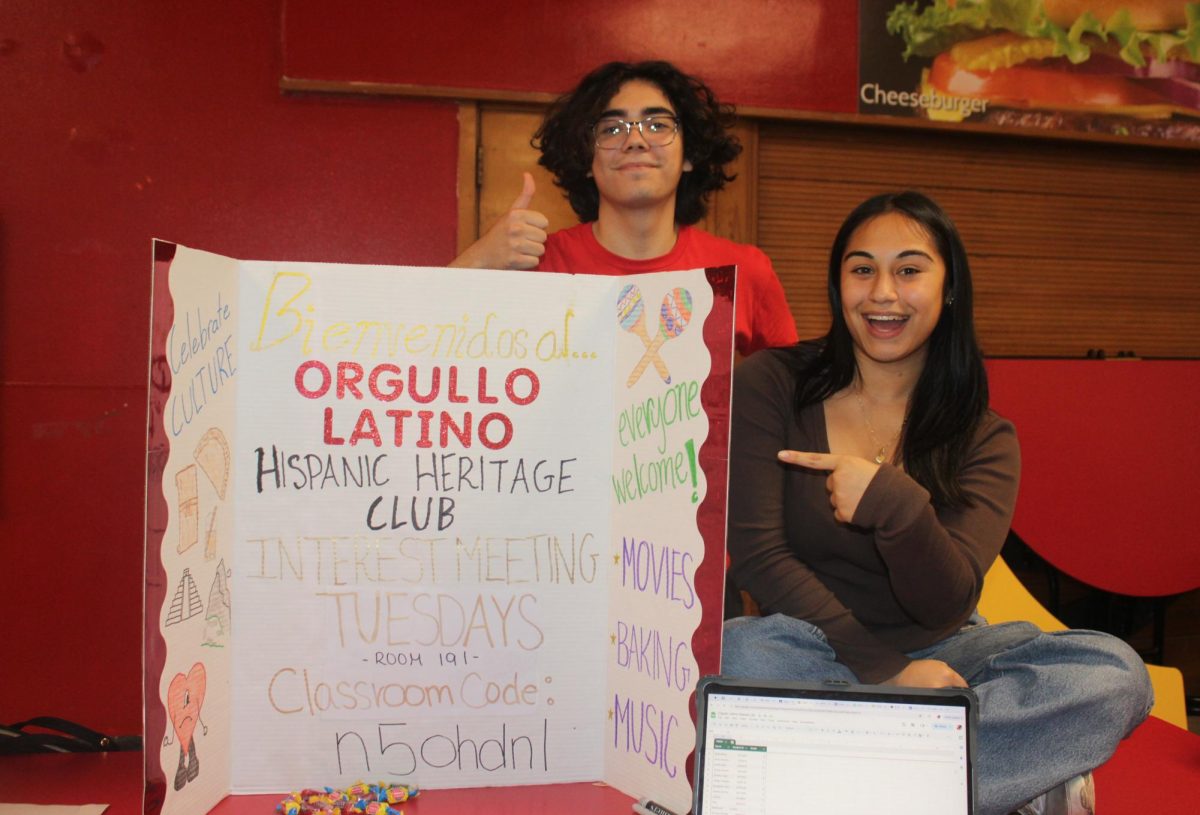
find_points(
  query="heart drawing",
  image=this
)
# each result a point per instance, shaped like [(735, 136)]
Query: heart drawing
[(185, 697)]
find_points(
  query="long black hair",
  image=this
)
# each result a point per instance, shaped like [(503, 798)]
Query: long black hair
[(951, 395), (567, 141)]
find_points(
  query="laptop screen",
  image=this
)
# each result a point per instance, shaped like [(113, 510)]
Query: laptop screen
[(776, 749)]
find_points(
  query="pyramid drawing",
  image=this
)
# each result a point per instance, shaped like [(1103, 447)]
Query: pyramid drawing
[(216, 620), (184, 608)]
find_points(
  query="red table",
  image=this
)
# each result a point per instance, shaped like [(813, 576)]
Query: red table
[(116, 779), (1156, 770)]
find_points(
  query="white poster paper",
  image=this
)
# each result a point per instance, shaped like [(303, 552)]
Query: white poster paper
[(430, 526)]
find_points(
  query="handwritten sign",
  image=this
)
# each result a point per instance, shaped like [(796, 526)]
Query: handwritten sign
[(432, 526)]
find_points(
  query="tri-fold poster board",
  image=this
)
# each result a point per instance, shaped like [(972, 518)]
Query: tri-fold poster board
[(448, 527)]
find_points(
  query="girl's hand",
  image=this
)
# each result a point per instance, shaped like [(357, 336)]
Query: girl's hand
[(927, 673), (848, 478)]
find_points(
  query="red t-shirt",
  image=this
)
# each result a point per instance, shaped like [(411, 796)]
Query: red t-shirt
[(763, 318)]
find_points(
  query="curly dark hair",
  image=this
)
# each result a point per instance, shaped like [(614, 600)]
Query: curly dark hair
[(566, 142)]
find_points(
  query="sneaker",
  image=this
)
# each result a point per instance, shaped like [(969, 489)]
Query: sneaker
[(1035, 807), (1075, 796), (1080, 794)]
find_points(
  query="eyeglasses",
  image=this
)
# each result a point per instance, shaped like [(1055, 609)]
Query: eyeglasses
[(658, 131)]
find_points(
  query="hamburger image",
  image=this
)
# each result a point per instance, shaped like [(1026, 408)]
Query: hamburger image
[(1127, 67)]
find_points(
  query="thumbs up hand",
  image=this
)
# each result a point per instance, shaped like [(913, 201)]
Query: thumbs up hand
[(516, 241)]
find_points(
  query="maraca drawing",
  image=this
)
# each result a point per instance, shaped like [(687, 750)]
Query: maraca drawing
[(631, 313), (673, 318)]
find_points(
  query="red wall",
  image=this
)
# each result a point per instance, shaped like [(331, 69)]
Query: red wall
[(168, 123), (798, 54), (148, 119)]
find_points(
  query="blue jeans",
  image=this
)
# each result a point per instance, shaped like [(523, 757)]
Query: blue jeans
[(1051, 705)]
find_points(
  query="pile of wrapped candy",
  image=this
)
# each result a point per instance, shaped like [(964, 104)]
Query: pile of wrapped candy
[(358, 799)]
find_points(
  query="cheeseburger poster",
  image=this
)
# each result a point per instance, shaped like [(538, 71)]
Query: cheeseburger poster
[(435, 526), (1116, 67)]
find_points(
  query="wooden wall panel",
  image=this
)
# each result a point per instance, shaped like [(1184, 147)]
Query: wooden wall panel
[(498, 137), (1073, 246), (505, 154)]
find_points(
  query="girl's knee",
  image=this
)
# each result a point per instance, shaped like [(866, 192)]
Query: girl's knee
[(775, 647), (738, 642), (1126, 681), (1137, 678)]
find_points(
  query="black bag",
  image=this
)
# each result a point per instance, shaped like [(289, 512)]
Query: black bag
[(49, 734)]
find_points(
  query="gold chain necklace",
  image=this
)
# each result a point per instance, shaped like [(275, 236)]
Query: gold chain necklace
[(882, 455)]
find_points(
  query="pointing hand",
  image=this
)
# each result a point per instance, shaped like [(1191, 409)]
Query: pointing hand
[(847, 481)]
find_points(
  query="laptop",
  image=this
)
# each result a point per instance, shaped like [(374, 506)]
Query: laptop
[(782, 748)]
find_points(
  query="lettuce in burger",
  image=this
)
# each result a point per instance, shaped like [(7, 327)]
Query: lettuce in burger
[(1064, 63)]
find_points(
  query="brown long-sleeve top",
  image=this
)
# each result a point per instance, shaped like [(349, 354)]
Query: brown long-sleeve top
[(903, 575)]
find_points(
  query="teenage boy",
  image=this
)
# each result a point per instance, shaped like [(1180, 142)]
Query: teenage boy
[(638, 149)]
